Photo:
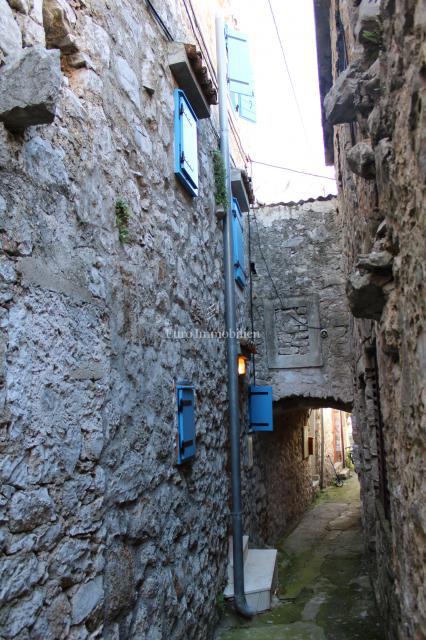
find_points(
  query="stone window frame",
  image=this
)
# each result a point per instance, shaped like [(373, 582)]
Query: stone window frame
[(314, 357)]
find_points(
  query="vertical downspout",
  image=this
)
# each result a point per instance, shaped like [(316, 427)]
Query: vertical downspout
[(322, 449), (240, 602), (343, 441)]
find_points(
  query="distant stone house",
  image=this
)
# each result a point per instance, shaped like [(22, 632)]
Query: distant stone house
[(371, 76)]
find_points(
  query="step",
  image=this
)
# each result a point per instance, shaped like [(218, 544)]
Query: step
[(231, 549), (260, 578)]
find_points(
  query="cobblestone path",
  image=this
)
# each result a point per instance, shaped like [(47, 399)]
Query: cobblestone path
[(324, 590)]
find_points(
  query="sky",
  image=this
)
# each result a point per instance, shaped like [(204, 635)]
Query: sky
[(282, 135)]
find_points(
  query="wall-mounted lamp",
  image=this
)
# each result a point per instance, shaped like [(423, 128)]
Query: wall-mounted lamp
[(242, 365)]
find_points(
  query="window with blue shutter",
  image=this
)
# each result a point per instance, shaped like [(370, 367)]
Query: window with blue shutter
[(186, 143), (240, 75), (239, 67), (186, 422), (238, 243), (260, 408), (247, 108)]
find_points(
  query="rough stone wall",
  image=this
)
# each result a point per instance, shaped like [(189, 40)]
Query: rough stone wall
[(301, 246), (102, 535), (285, 474), (378, 107)]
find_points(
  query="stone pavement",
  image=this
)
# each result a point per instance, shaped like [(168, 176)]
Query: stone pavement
[(324, 590)]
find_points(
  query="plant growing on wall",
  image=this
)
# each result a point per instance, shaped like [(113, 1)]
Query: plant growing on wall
[(123, 213), (220, 180), (372, 37)]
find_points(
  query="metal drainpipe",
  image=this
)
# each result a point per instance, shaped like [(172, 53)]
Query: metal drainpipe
[(240, 602), (322, 450)]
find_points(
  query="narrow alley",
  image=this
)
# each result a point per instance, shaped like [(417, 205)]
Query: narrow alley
[(212, 309), (324, 592)]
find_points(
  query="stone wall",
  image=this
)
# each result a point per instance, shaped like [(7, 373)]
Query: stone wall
[(301, 247), (377, 107), (103, 535), (300, 312), (285, 473)]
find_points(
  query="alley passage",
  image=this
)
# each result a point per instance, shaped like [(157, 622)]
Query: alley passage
[(324, 590)]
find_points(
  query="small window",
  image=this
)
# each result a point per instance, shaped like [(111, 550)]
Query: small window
[(260, 408), (186, 144), (238, 241), (186, 422)]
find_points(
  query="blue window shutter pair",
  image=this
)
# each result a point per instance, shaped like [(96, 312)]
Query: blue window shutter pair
[(186, 143), (186, 422), (240, 76), (238, 244), (260, 408)]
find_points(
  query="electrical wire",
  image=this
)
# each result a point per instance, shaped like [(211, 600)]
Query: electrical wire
[(282, 307), (303, 173), (159, 20), (288, 71)]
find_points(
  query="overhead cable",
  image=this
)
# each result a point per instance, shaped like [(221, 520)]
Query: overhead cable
[(288, 70), (303, 173)]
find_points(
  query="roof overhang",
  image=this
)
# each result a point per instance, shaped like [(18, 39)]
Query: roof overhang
[(242, 189), (192, 77)]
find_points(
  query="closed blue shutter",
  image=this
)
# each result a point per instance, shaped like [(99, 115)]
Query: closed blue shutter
[(186, 423), (238, 244), (186, 143), (239, 67), (260, 408)]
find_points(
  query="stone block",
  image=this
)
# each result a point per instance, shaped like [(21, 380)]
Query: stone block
[(127, 79), (119, 578), (29, 88), (365, 295), (29, 509), (86, 600), (340, 101), (32, 32), (361, 160), (376, 261), (10, 34), (18, 574), (59, 20), (23, 6)]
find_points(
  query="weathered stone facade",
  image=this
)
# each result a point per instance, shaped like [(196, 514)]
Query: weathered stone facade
[(374, 53), (300, 310), (103, 535), (301, 324)]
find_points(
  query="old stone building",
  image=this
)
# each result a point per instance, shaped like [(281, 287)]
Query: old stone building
[(112, 310), (104, 255), (372, 78), (301, 319)]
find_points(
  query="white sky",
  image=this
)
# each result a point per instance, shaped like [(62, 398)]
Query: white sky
[(278, 136)]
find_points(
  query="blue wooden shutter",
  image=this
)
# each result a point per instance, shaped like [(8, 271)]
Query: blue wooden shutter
[(186, 143), (186, 423), (239, 67), (238, 243), (260, 408), (247, 108)]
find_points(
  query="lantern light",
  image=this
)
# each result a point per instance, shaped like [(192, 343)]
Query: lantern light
[(242, 365)]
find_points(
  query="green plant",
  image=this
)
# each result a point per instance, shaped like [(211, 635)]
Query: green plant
[(373, 37), (123, 213), (220, 603), (220, 180)]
